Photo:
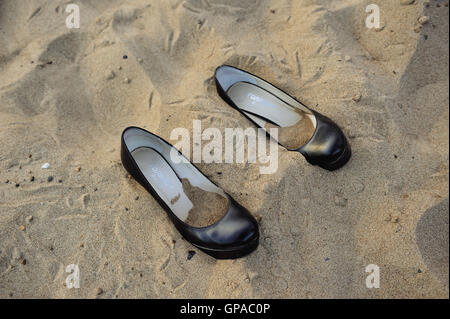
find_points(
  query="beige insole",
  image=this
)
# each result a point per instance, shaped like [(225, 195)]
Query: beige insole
[(295, 126)]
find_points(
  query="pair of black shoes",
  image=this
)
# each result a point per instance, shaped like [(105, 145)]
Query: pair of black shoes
[(202, 212)]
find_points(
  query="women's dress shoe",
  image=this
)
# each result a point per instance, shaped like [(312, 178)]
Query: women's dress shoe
[(300, 128), (202, 212)]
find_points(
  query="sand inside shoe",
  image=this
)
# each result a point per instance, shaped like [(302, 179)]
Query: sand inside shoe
[(191, 199), (295, 126)]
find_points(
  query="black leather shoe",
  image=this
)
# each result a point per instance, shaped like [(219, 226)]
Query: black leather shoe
[(300, 129), (181, 189)]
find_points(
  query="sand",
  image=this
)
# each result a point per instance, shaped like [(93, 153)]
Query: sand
[(67, 94), (294, 136), (208, 207)]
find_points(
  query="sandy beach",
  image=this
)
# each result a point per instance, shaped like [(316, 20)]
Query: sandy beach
[(67, 94)]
